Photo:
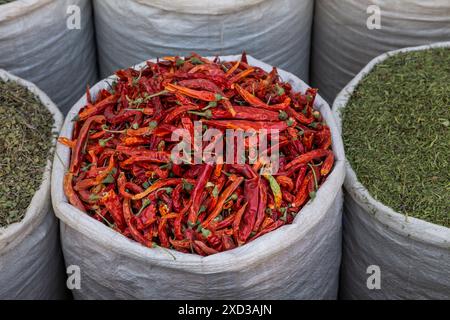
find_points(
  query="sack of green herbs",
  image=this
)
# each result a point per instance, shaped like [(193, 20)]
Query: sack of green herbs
[(50, 43), (31, 265), (395, 121)]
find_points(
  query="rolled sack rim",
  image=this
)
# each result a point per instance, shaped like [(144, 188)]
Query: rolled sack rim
[(252, 253), (414, 228), (35, 213)]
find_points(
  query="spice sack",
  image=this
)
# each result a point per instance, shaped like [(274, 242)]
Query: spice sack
[(411, 256), (31, 264), (297, 261)]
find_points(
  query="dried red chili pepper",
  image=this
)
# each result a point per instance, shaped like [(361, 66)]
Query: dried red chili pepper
[(300, 177), (269, 228), (241, 75), (256, 102), (251, 193), (246, 125), (112, 202), (230, 71), (302, 194), (285, 182), (100, 176), (226, 222), (177, 196), (67, 142), (300, 117), (148, 216), (158, 185), (204, 248), (70, 193), (200, 95), (328, 164), (227, 242), (237, 224), (223, 197), (134, 232), (200, 84), (307, 157), (181, 245), (149, 156), (242, 113), (178, 111), (162, 233), (197, 193), (75, 161), (96, 109)]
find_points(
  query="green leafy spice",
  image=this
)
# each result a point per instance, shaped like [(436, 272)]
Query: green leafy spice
[(5, 1), (25, 142), (397, 136)]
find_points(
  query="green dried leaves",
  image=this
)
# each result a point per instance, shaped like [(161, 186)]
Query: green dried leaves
[(25, 142), (397, 137)]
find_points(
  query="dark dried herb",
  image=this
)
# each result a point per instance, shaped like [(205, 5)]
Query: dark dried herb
[(5, 1), (25, 143), (396, 131)]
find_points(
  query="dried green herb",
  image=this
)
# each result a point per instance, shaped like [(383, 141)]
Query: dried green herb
[(396, 130), (26, 134), (5, 1)]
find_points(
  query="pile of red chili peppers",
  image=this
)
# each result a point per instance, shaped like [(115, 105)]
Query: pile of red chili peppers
[(121, 171)]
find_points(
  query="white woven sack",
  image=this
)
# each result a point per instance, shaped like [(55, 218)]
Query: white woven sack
[(36, 44), (31, 265), (298, 261), (276, 31), (413, 255), (343, 43)]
